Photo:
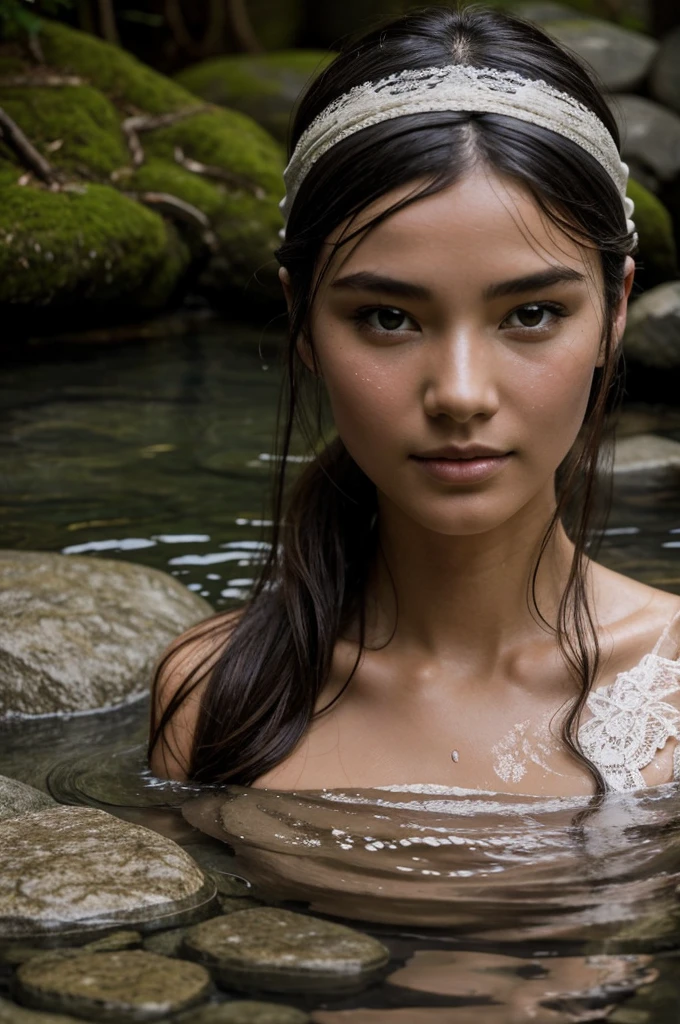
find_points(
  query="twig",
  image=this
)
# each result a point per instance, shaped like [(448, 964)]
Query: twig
[(237, 181), (25, 150), (12, 81), (179, 210), (132, 126), (35, 49)]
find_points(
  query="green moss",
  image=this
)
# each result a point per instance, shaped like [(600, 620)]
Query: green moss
[(246, 227), (164, 176), (63, 248), (242, 76), (227, 139), (264, 87), (125, 80), (84, 120), (657, 254)]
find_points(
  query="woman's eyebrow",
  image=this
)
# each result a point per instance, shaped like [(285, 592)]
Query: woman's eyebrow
[(532, 282), (366, 281)]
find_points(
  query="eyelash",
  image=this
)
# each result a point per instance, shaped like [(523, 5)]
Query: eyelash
[(360, 317)]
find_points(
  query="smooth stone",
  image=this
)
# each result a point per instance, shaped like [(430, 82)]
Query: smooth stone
[(664, 81), (242, 1011), (652, 335), (619, 57), (17, 953), (273, 950), (17, 798), (11, 1013), (133, 984), (83, 634), (167, 943), (650, 135), (646, 452), (72, 872)]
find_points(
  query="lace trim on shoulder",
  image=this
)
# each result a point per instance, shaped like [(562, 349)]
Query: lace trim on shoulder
[(631, 720)]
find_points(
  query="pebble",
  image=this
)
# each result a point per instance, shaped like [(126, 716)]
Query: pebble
[(267, 949), (245, 1012), (10, 1013), (76, 871), (107, 986)]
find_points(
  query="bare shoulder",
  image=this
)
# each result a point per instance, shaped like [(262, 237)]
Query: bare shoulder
[(181, 677), (633, 615)]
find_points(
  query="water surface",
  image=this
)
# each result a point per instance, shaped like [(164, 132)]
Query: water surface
[(160, 453)]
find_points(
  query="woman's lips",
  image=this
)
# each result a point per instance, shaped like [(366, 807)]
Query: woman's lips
[(454, 471)]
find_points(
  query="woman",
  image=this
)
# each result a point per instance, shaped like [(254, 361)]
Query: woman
[(457, 263)]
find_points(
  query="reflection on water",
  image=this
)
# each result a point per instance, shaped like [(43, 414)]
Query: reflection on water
[(503, 867), (159, 454)]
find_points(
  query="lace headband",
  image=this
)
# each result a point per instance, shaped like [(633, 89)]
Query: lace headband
[(455, 87)]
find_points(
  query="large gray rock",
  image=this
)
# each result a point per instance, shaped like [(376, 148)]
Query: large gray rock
[(71, 872), (82, 634), (650, 136), (133, 985), (17, 798), (620, 58), (646, 453), (271, 950), (664, 82), (652, 335)]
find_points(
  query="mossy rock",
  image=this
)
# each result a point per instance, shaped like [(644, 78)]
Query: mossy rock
[(125, 80), (265, 87), (245, 217), (89, 247), (143, 255), (79, 117), (657, 254)]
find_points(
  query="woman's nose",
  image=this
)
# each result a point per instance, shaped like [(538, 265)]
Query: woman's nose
[(461, 379)]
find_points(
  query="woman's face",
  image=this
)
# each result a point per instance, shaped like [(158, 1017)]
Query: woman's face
[(465, 319)]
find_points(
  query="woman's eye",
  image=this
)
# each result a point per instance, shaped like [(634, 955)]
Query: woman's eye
[(534, 315), (385, 319)]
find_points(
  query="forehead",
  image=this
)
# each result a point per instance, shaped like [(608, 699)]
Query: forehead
[(481, 229)]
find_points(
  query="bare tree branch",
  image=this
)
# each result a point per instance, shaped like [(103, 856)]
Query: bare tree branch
[(39, 80), (132, 126), (25, 150), (237, 181), (241, 27), (107, 22), (179, 210)]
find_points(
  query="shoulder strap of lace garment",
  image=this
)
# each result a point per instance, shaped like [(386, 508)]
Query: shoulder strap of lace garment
[(631, 720)]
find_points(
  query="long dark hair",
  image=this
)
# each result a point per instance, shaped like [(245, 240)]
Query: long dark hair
[(260, 693)]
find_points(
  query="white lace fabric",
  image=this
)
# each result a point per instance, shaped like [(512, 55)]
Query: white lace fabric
[(632, 719), (455, 87)]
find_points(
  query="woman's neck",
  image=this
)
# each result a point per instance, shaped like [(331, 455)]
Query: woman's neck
[(466, 595)]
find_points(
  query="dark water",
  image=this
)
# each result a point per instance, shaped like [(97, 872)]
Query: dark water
[(495, 909)]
